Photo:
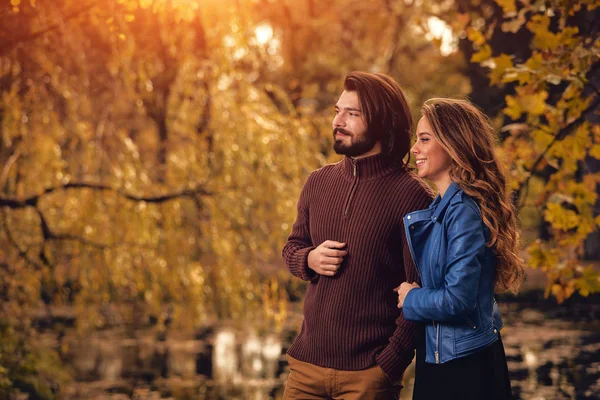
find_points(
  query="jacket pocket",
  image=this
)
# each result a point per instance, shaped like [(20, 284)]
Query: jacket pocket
[(466, 332), (471, 324), (469, 339)]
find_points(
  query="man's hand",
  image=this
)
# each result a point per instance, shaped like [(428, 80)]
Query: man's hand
[(327, 258), (403, 290)]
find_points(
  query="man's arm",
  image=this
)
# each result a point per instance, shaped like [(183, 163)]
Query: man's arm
[(398, 354), (305, 260), (299, 244)]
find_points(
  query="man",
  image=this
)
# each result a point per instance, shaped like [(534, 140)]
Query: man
[(348, 241)]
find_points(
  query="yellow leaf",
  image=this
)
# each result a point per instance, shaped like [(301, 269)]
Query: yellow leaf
[(586, 226), (596, 132), (484, 54), (595, 151), (513, 108), (475, 36), (501, 64), (575, 146), (543, 39), (536, 255), (535, 104), (508, 6), (535, 62), (541, 139), (569, 290), (560, 218), (512, 25), (558, 292)]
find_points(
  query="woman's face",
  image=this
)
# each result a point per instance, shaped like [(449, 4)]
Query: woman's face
[(433, 162)]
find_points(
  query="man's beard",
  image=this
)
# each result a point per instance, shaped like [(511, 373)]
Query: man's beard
[(358, 146)]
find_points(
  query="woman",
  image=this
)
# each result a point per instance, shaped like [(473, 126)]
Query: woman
[(465, 248)]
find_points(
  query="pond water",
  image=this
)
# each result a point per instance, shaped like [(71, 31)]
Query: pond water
[(553, 353)]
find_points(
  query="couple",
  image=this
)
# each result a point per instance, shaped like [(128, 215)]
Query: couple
[(388, 269)]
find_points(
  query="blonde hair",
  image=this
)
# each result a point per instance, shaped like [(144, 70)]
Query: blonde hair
[(466, 134)]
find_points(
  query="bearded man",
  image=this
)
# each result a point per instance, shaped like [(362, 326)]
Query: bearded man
[(348, 242)]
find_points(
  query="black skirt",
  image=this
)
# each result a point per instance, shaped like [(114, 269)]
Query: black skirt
[(482, 375)]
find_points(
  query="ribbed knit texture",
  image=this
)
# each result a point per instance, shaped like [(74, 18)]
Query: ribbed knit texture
[(351, 321)]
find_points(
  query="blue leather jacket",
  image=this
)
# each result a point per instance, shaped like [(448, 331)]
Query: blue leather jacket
[(456, 301)]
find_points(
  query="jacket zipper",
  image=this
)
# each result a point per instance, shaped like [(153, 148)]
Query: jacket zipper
[(412, 253), (353, 188), (471, 324), (437, 327), (437, 342), (435, 245)]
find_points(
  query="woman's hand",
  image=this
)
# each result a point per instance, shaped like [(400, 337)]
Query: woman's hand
[(403, 290)]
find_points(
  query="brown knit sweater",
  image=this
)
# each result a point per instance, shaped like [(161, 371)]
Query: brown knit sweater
[(351, 321)]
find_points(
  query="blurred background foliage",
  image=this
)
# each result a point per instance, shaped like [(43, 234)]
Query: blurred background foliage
[(152, 151)]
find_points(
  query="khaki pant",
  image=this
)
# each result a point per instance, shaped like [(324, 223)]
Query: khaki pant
[(308, 381)]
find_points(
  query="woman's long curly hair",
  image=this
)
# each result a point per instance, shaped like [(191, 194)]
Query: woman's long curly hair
[(467, 136)]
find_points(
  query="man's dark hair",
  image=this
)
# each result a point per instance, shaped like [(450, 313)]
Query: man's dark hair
[(385, 111)]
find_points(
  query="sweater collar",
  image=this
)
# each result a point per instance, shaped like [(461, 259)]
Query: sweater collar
[(371, 167)]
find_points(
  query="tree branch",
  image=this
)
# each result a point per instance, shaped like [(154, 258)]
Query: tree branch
[(394, 51), (32, 200), (9, 44), (97, 245), (49, 235), (22, 252), (12, 159), (559, 136), (205, 119)]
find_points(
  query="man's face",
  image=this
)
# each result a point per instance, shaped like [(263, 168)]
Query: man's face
[(350, 132)]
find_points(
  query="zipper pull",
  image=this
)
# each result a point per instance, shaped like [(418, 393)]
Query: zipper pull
[(437, 357), (353, 167)]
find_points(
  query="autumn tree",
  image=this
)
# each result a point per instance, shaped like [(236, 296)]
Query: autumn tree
[(535, 65), (152, 153)]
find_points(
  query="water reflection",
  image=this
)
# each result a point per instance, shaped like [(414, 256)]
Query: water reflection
[(549, 358), (553, 358), (225, 360), (244, 364)]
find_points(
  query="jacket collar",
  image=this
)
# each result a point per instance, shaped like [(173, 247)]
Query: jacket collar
[(440, 204), (367, 168)]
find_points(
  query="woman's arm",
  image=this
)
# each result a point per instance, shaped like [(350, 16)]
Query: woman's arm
[(465, 253)]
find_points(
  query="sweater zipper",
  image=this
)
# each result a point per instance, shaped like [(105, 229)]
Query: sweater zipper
[(353, 188)]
